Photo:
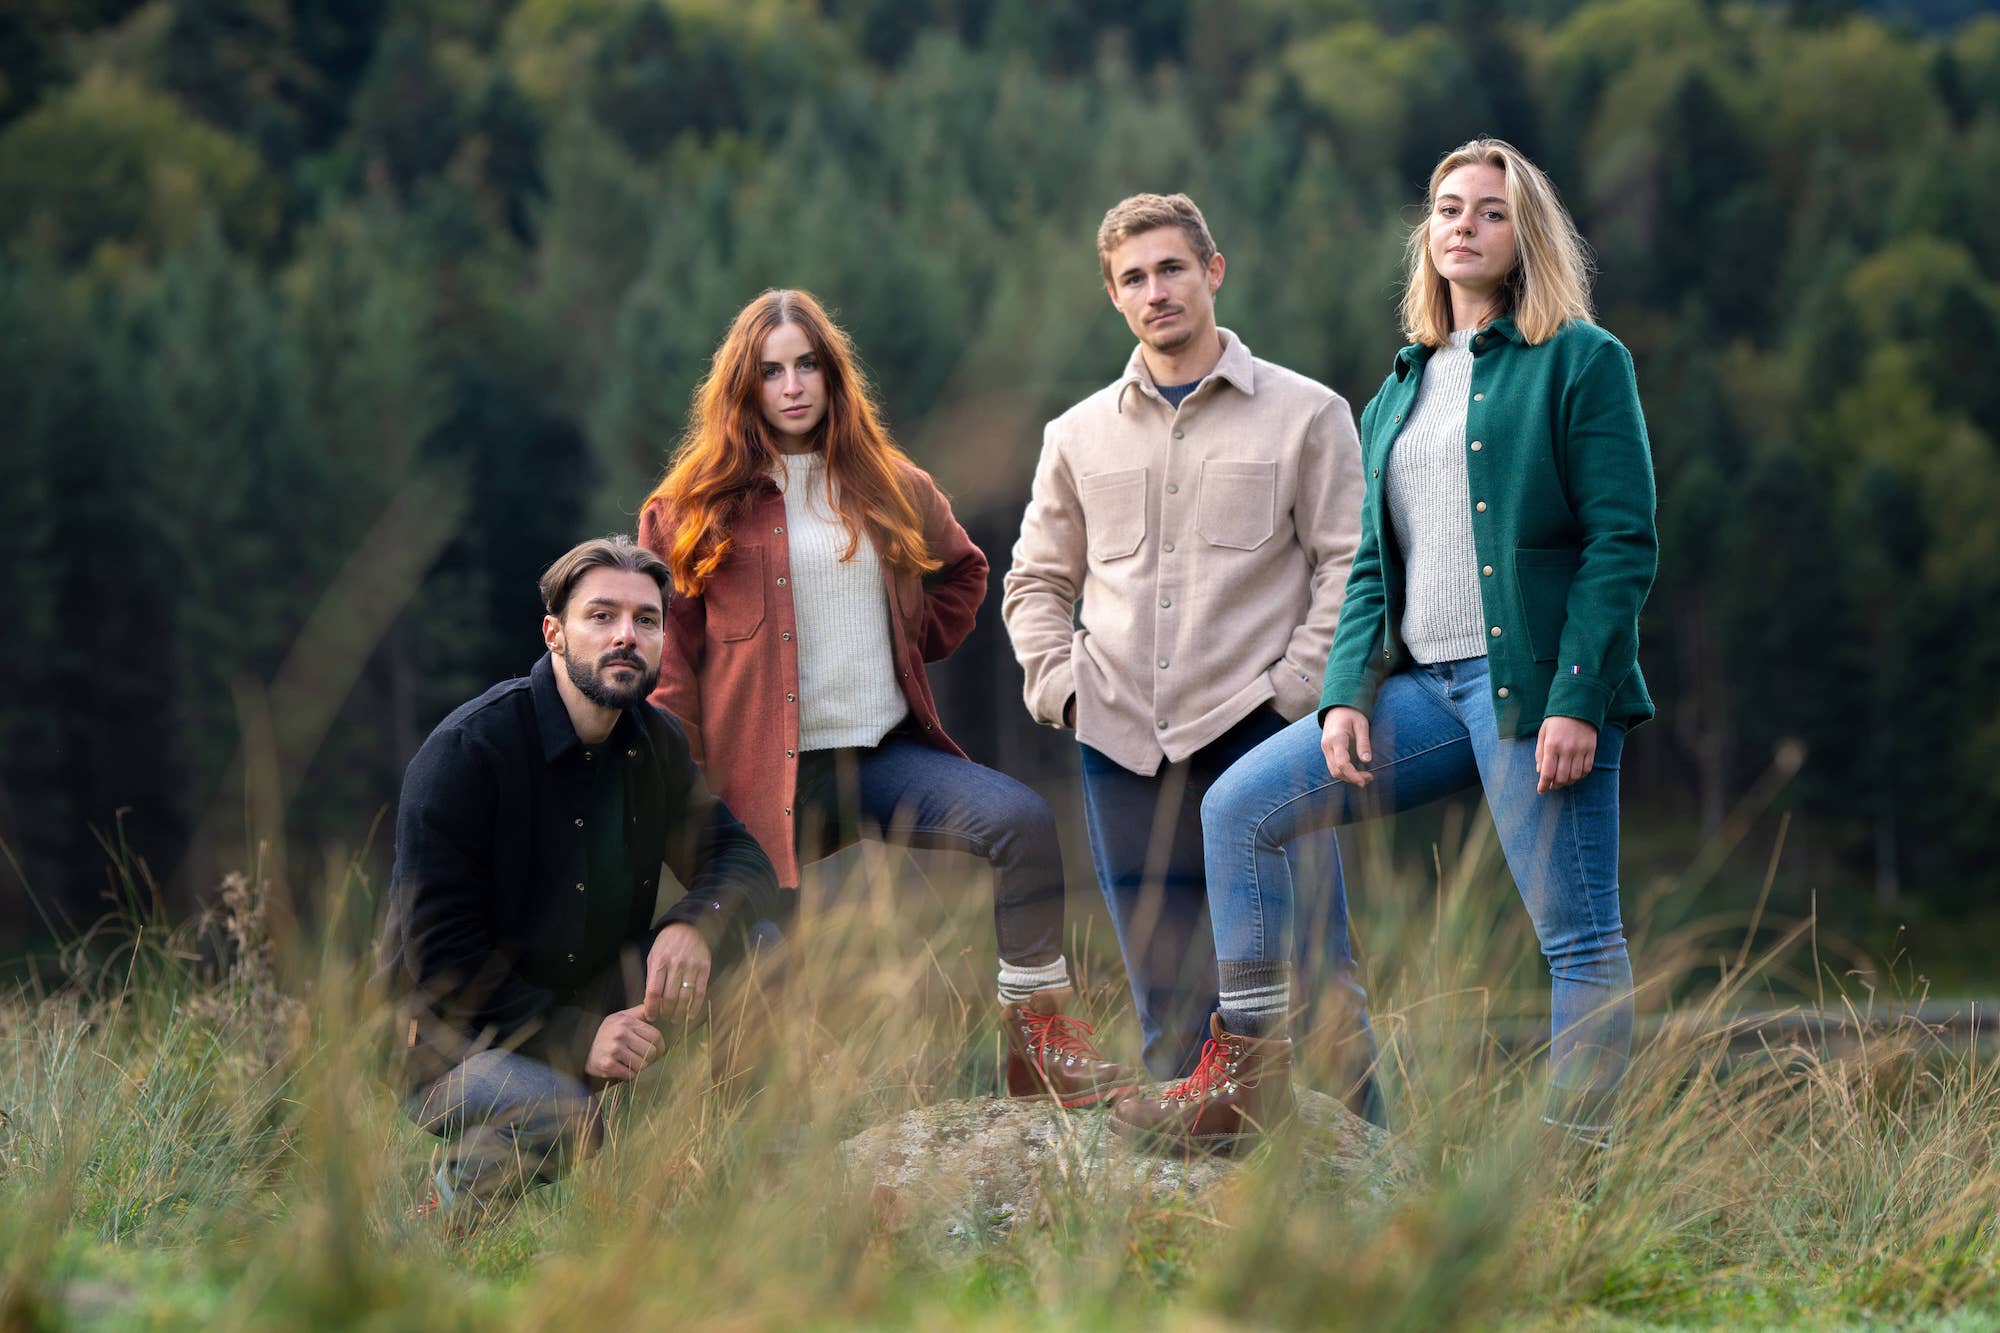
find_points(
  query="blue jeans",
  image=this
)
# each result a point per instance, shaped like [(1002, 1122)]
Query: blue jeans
[(1146, 841), (921, 796), (1432, 734), (512, 1122)]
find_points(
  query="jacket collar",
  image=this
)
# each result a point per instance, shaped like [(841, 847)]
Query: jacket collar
[(1414, 355), (552, 718), (1236, 366)]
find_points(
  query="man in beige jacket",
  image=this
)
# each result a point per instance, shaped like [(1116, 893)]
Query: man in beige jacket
[(1204, 508)]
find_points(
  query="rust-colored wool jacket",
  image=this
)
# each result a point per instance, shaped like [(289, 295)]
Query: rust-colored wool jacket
[(730, 669)]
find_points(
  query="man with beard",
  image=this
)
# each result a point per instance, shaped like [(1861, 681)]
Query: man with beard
[(533, 825), (1203, 508)]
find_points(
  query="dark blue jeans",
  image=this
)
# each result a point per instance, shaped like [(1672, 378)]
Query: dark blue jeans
[(1145, 837), (907, 792)]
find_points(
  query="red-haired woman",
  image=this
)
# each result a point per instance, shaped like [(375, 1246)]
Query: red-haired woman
[(816, 570)]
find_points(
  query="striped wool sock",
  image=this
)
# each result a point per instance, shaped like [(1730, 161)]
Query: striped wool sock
[(1256, 997), (1019, 981)]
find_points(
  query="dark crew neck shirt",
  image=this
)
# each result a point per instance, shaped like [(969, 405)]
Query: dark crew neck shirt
[(1174, 393)]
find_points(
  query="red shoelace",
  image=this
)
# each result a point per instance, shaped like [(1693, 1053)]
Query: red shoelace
[(1209, 1072), (1060, 1034)]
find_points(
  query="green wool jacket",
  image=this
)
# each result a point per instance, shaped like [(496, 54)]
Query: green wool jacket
[(1562, 491)]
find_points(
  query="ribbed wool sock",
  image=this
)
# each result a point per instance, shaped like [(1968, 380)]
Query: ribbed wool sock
[(1256, 997), (1017, 983)]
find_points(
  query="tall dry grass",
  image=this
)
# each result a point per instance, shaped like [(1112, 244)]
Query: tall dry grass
[(185, 1144)]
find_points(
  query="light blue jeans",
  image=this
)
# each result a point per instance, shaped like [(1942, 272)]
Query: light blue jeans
[(511, 1122), (1432, 733)]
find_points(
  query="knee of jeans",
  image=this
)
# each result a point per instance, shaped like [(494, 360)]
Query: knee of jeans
[(1224, 808), (1018, 813)]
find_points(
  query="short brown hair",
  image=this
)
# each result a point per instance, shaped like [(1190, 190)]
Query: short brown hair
[(617, 551), (1148, 212)]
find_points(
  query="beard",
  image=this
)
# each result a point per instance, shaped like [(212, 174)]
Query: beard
[(588, 677)]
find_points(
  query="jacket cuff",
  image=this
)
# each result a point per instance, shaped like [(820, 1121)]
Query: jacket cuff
[(1058, 687), (1347, 691), (1582, 697), (711, 914), (1292, 691)]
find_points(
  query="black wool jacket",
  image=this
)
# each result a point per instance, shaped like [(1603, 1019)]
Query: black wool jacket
[(484, 938)]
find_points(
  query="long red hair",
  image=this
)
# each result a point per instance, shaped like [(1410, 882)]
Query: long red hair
[(726, 453)]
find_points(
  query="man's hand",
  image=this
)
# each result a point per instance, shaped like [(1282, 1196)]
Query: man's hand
[(676, 973), (1565, 751), (625, 1044), (1343, 741)]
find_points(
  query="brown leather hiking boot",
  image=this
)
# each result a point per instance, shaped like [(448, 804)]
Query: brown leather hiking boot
[(1051, 1054), (1241, 1089)]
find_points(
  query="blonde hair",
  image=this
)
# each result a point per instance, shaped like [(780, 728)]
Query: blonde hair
[(1550, 282), (1139, 213)]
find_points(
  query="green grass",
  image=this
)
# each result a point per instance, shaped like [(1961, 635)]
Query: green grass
[(191, 1147)]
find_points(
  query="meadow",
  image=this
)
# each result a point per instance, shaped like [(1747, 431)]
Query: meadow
[(194, 1134)]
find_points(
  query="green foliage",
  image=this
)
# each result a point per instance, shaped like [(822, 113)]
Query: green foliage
[(275, 267), (111, 164)]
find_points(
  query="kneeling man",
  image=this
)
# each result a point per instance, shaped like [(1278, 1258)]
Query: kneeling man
[(529, 841)]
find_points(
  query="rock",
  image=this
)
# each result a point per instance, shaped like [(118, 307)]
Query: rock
[(976, 1167)]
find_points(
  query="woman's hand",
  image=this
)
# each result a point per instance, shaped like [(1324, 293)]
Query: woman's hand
[(1565, 750), (1344, 739)]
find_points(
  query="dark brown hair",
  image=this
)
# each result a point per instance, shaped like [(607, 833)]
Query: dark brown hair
[(617, 551)]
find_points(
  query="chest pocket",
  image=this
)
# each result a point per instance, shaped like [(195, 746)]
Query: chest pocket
[(1238, 503), (735, 596), (1114, 512)]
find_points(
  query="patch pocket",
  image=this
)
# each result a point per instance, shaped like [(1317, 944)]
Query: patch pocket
[(735, 595), (1543, 578), (1114, 512), (1237, 506)]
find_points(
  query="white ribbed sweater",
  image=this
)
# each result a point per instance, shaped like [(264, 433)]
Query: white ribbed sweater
[(847, 677), (1430, 504)]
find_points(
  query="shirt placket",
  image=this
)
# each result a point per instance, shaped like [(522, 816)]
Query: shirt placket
[(1175, 495)]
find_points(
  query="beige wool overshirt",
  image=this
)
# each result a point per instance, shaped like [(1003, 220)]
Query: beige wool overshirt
[(1209, 547)]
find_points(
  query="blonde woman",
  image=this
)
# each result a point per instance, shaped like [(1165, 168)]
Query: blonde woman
[(1488, 640)]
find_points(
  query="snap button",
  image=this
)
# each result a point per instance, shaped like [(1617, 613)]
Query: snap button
[(1478, 397), (1487, 570), (1166, 601), (579, 888), (781, 580), (1180, 435), (1168, 547), (1163, 724), (790, 698), (786, 636), (1503, 691), (579, 823), (1496, 631), (572, 957), (1173, 489), (1163, 664), (779, 530), (1475, 446), (1481, 506)]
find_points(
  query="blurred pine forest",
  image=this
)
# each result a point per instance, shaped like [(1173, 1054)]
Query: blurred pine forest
[(325, 324)]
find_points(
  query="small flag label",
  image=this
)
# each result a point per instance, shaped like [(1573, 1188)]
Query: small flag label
[(1576, 671)]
